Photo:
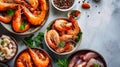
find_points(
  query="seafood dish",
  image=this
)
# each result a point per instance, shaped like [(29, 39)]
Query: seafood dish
[(8, 48), (86, 58), (22, 15), (63, 35), (33, 58)]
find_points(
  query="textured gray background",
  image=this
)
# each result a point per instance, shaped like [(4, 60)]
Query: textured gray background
[(101, 32)]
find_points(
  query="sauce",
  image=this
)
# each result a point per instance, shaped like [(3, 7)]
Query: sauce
[(63, 4)]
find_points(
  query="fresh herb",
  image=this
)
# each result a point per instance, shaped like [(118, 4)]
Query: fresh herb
[(48, 28), (61, 45), (62, 63), (96, 65), (2, 42), (22, 27), (78, 36), (10, 12), (1, 53), (35, 41)]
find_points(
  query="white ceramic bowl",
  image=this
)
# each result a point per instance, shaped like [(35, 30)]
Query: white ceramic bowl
[(64, 9), (64, 53)]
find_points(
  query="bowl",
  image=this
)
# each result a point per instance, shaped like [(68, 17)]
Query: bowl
[(81, 53), (35, 49), (64, 53), (74, 13), (32, 29), (5, 45), (67, 9)]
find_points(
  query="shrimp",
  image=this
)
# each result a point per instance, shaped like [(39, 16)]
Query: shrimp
[(17, 22), (33, 3), (62, 25), (6, 18), (39, 62), (33, 19), (24, 60), (75, 30), (83, 64), (52, 38), (66, 37), (67, 48), (4, 6)]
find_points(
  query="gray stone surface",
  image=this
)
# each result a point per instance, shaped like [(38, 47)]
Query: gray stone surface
[(101, 32)]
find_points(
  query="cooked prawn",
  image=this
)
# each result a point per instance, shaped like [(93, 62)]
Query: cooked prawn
[(66, 37), (39, 62), (52, 38), (67, 48), (4, 6), (6, 18), (62, 25), (17, 22), (36, 20), (24, 60), (75, 30)]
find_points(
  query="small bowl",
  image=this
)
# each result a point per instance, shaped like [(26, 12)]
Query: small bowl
[(83, 51), (7, 60), (71, 11), (74, 3), (64, 53), (32, 29), (41, 50)]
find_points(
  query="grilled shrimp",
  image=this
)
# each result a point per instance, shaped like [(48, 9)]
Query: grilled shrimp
[(4, 6), (17, 22), (66, 37), (33, 3), (33, 19), (52, 38), (24, 60), (75, 30), (6, 18), (62, 25), (39, 62)]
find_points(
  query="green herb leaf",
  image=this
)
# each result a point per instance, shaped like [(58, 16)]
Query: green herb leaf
[(2, 42), (35, 41), (48, 28), (61, 45), (1, 53), (22, 27), (62, 63), (96, 65), (78, 36), (10, 12)]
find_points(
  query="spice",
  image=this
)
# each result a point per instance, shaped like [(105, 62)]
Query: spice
[(85, 5), (63, 4)]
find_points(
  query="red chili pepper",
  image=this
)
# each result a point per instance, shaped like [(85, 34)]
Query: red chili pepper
[(85, 5), (77, 13)]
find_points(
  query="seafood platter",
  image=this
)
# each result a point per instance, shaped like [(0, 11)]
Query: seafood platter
[(61, 38)]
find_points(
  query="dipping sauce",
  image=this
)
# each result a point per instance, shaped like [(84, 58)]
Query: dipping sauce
[(63, 4), (8, 48)]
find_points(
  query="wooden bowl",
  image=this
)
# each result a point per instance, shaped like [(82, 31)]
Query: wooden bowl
[(32, 29), (64, 53), (83, 51), (43, 51), (7, 60)]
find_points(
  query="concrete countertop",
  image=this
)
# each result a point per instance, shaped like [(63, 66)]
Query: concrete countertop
[(100, 26)]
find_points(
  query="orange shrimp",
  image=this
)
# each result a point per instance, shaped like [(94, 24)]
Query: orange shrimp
[(36, 20), (52, 38), (68, 47), (4, 6), (17, 22), (39, 62), (24, 60), (66, 37), (75, 30), (62, 25), (6, 18)]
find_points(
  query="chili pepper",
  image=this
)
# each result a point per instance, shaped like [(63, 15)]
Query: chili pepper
[(85, 5)]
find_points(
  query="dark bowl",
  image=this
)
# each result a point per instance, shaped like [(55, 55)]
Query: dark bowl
[(7, 60), (83, 51), (50, 64)]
